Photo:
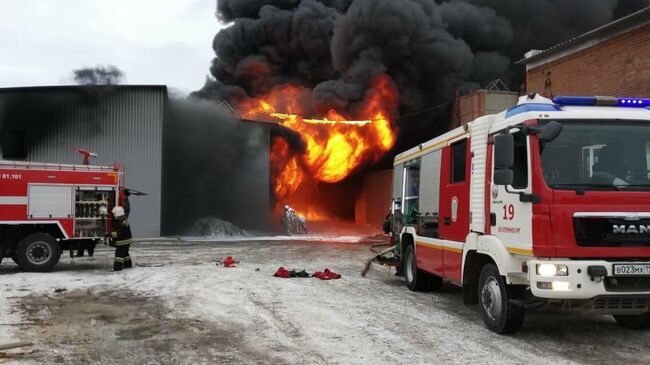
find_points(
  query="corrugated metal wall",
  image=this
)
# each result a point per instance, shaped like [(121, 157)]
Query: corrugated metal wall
[(121, 124)]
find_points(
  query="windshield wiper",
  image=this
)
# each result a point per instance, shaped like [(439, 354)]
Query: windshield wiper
[(634, 186)]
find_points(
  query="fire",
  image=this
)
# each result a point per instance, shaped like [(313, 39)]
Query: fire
[(335, 144), (290, 176)]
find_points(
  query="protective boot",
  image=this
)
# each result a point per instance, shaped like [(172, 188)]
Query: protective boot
[(118, 264)]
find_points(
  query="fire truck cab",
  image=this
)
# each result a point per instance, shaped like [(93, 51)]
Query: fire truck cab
[(544, 204), (48, 208)]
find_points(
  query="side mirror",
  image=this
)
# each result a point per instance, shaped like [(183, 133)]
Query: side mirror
[(504, 158), (550, 132)]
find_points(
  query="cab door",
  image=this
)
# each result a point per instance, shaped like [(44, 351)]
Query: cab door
[(512, 218), (454, 205)]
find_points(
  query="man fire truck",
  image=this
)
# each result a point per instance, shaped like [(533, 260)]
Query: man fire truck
[(546, 203), (47, 208)]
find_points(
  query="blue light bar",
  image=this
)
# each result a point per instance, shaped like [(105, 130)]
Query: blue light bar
[(634, 102), (601, 101), (575, 100)]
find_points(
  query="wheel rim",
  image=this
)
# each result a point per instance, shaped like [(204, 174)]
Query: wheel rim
[(491, 298), (409, 268), (38, 252)]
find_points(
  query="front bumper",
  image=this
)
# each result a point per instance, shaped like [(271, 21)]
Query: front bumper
[(578, 284)]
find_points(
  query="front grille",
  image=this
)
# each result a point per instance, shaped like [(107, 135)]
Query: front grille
[(609, 304), (611, 232), (627, 283)]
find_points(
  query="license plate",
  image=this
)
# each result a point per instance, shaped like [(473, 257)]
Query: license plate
[(631, 269)]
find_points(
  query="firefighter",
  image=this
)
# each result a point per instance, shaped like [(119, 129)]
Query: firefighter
[(287, 219), (121, 236)]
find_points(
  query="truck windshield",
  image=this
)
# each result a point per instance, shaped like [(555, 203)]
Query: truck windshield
[(592, 154)]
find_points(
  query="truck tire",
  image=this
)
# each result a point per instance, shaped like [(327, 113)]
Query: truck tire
[(634, 321), (38, 252), (416, 279), (499, 315)]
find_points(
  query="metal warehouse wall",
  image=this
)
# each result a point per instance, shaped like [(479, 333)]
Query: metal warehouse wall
[(119, 123)]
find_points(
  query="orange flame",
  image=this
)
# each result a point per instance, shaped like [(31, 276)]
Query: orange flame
[(335, 144)]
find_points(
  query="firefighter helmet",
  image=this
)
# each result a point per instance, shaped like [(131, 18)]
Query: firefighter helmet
[(118, 211)]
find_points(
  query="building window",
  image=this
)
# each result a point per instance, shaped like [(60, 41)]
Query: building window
[(458, 161), (520, 167), (13, 144)]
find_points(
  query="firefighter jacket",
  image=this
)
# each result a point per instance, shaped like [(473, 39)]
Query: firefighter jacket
[(121, 233)]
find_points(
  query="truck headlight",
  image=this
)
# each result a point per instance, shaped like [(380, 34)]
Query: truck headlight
[(552, 270)]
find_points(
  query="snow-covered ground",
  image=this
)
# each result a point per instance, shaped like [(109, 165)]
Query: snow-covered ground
[(178, 306)]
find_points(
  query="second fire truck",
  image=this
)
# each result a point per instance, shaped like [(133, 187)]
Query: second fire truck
[(547, 203), (48, 208)]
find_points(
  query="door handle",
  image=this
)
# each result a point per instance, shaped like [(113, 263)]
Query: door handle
[(447, 221)]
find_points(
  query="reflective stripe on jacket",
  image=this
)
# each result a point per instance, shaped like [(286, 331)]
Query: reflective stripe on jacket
[(121, 233)]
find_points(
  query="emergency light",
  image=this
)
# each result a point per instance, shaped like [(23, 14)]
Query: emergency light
[(637, 102), (601, 101)]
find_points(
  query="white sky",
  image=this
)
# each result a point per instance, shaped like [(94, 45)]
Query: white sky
[(153, 41)]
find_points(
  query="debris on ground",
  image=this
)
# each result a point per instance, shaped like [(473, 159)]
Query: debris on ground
[(326, 274), (284, 273), (15, 345), (12, 356), (215, 227), (229, 262)]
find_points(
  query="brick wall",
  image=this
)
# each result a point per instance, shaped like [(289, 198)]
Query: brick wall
[(619, 66)]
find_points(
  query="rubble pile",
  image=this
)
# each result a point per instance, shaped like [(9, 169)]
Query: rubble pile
[(215, 227)]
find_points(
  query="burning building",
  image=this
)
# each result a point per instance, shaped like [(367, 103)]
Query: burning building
[(332, 148), (358, 80)]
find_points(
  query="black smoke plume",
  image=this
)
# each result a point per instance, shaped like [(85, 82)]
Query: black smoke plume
[(30, 116), (429, 48), (98, 75), (214, 166)]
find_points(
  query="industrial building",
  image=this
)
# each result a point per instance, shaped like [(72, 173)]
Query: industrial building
[(175, 151), (610, 60), (478, 103)]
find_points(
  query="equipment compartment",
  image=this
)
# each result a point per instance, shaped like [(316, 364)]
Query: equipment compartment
[(91, 212)]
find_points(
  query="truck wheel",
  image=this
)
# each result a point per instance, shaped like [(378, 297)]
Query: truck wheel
[(634, 321), (494, 294), (416, 279), (38, 252)]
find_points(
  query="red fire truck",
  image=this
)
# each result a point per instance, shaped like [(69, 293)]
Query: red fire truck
[(48, 208), (544, 204)]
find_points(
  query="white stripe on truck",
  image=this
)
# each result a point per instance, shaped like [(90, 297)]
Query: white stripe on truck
[(13, 200)]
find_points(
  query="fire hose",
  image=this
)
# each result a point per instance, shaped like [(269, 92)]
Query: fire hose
[(377, 255)]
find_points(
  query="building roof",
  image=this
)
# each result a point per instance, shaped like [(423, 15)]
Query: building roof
[(79, 87), (535, 58)]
